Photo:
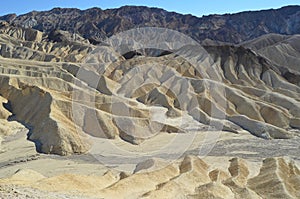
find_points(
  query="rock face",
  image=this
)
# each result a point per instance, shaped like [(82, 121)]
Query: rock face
[(282, 50), (30, 44), (7, 127), (95, 24), (277, 184), (36, 109)]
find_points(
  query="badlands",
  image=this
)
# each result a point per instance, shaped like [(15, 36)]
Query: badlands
[(147, 112)]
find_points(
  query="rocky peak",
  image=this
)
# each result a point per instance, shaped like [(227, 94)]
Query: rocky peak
[(8, 17), (96, 24)]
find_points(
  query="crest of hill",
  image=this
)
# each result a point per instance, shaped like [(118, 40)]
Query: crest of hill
[(95, 24)]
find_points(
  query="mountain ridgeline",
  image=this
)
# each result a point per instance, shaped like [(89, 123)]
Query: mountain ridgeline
[(96, 24)]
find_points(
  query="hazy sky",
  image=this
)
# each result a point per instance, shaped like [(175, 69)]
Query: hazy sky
[(195, 7)]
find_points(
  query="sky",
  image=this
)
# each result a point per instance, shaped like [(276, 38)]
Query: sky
[(195, 7)]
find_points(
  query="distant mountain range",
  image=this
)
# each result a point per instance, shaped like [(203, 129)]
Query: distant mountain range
[(96, 24)]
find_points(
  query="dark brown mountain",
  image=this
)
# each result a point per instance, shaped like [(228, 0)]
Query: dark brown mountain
[(96, 24)]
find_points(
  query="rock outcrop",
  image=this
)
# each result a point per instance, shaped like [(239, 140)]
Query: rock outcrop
[(190, 177)]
